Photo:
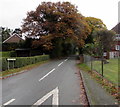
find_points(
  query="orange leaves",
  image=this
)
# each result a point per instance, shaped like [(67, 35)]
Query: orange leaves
[(60, 26), (48, 46), (56, 20), (70, 32)]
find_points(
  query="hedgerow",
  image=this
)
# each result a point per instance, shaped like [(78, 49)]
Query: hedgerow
[(22, 61), (8, 54)]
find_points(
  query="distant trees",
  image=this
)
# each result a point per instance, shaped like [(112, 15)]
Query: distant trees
[(104, 40), (99, 41), (90, 49), (94, 24), (4, 33), (18, 31), (58, 25)]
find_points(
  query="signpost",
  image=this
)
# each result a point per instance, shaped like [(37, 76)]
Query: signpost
[(12, 60)]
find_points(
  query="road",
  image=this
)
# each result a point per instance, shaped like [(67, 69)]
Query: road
[(53, 83)]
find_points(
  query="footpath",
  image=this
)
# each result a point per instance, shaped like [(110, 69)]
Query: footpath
[(95, 93)]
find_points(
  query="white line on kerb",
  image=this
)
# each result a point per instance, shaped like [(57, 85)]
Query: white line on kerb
[(47, 74), (60, 63), (9, 102)]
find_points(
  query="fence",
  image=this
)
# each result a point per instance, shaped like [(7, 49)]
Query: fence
[(110, 67)]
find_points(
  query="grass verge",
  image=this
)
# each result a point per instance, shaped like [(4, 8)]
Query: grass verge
[(108, 86), (17, 70), (110, 69)]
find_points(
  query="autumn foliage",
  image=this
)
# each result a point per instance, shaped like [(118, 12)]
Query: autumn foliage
[(56, 22)]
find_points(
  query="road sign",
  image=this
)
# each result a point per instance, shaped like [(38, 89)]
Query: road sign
[(10, 59)]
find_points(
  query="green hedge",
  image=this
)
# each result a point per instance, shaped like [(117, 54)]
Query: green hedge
[(5, 54), (8, 54), (23, 61)]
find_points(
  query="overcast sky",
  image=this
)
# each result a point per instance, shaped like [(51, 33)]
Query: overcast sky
[(12, 12)]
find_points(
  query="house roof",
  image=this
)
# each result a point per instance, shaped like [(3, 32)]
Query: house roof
[(117, 28), (15, 34)]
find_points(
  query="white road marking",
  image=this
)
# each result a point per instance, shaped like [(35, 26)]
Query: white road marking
[(9, 102), (55, 99), (60, 63), (47, 74), (66, 60)]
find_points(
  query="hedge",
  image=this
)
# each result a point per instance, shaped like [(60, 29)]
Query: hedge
[(22, 61), (8, 54)]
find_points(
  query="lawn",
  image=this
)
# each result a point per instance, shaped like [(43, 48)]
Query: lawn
[(110, 69)]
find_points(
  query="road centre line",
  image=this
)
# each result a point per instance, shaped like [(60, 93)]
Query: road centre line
[(66, 60), (51, 71), (10, 101), (60, 64), (47, 74)]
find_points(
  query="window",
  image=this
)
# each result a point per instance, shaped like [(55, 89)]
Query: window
[(105, 54), (118, 37), (117, 47)]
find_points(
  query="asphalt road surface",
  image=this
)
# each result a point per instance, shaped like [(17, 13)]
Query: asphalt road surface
[(53, 83)]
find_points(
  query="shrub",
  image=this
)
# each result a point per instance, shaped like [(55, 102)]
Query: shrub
[(5, 54), (8, 54), (22, 61), (4, 64)]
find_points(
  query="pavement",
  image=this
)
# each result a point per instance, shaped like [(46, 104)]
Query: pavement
[(54, 83), (95, 93)]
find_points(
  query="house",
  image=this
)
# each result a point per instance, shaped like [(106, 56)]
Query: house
[(14, 38), (115, 52), (117, 28)]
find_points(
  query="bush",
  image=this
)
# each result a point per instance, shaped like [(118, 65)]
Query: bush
[(5, 54), (13, 54), (8, 54), (23, 61)]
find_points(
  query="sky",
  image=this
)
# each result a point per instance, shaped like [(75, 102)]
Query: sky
[(12, 12)]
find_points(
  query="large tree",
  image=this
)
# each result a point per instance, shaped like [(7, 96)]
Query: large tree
[(56, 22), (104, 39), (95, 24)]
